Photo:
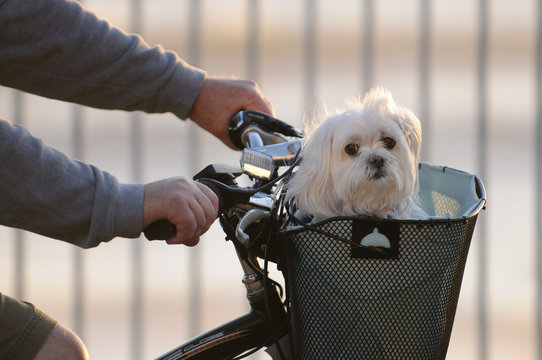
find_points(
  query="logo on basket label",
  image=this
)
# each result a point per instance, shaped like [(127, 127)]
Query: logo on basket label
[(373, 239), (376, 239)]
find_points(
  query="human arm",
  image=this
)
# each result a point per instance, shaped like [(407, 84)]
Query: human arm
[(43, 191), (59, 49)]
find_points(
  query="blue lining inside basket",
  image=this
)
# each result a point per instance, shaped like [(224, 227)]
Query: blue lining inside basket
[(460, 191)]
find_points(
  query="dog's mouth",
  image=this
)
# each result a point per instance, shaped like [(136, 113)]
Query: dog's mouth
[(377, 175), (376, 165)]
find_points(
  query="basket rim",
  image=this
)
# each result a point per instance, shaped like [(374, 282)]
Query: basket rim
[(480, 191)]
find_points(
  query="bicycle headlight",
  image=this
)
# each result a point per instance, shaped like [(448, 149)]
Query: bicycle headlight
[(258, 164), (261, 161)]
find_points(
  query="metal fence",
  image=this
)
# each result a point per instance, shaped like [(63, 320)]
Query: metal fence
[(491, 125)]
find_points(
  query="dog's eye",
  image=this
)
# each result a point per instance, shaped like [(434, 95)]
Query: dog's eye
[(389, 142), (351, 149)]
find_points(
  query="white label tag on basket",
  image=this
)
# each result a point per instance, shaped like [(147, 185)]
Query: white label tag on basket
[(376, 239)]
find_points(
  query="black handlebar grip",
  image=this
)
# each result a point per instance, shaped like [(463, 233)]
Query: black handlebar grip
[(160, 230), (237, 125), (244, 118), (164, 229)]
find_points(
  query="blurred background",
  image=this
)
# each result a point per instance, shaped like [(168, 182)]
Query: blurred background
[(469, 69)]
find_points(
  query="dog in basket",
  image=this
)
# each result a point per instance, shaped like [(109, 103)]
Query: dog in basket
[(363, 161)]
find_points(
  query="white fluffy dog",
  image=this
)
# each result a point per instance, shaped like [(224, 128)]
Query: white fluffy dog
[(363, 161)]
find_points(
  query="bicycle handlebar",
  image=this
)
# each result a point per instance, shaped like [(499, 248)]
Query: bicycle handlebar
[(264, 126), (247, 129)]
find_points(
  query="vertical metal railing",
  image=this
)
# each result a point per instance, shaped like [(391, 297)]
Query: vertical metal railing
[(424, 70), (137, 259), (310, 55), (136, 146), (253, 32), (367, 45), (482, 159), (19, 237), (194, 262), (78, 258), (538, 178)]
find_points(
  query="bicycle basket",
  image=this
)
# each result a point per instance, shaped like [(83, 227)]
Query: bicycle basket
[(396, 301)]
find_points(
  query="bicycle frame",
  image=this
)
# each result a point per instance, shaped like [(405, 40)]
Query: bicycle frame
[(224, 342), (262, 326)]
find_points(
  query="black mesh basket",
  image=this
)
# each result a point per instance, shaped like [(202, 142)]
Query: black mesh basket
[(395, 295)]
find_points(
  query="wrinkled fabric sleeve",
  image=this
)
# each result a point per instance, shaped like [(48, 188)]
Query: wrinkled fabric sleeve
[(43, 191), (59, 49)]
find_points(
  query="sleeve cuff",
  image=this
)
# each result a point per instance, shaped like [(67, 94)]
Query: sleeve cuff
[(128, 213), (184, 88)]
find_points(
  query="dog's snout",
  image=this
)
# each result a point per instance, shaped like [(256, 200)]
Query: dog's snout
[(376, 161)]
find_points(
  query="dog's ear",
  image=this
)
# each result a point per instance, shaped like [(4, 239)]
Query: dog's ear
[(409, 124), (312, 185), (411, 127)]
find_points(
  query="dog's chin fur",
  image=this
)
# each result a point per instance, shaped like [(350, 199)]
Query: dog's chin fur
[(378, 180)]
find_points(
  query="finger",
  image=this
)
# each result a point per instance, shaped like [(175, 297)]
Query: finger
[(205, 213), (191, 232), (185, 229), (270, 105), (186, 224), (262, 105), (211, 206), (200, 219), (261, 102), (188, 235), (192, 241)]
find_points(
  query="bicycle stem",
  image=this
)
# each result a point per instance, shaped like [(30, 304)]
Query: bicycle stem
[(251, 278)]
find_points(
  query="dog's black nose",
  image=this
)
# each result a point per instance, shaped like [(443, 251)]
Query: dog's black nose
[(376, 161)]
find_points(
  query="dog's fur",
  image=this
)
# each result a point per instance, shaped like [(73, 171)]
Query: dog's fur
[(363, 161)]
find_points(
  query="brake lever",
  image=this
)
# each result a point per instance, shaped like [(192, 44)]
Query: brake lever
[(250, 217), (265, 124), (228, 195)]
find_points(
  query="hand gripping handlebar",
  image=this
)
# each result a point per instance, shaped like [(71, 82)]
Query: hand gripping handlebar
[(245, 123), (227, 195)]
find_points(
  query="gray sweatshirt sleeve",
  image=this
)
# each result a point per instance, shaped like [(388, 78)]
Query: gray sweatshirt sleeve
[(43, 191), (57, 49), (60, 50)]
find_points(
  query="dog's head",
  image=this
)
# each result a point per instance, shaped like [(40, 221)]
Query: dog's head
[(361, 161)]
